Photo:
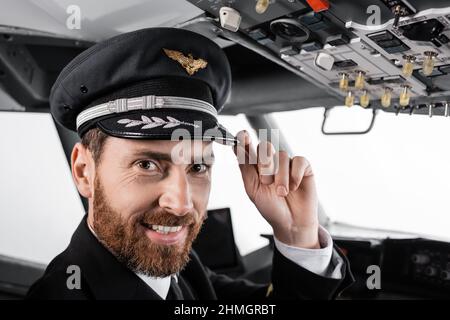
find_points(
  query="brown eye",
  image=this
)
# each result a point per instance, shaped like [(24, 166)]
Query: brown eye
[(200, 168), (147, 165)]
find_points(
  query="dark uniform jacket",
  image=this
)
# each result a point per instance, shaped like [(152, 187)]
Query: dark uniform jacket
[(104, 277)]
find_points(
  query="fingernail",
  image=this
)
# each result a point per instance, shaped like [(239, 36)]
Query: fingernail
[(281, 191), (246, 137), (242, 137)]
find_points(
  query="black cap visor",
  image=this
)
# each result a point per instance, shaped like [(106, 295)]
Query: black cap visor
[(163, 124)]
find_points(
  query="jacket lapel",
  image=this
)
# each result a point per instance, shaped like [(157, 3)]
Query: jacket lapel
[(106, 277), (196, 275)]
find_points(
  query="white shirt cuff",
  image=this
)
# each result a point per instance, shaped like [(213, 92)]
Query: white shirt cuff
[(324, 261)]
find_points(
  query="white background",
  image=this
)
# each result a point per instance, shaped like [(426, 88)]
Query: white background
[(396, 177)]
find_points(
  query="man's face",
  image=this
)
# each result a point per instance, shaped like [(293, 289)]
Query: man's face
[(150, 200)]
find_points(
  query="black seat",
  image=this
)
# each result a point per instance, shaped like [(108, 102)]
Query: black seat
[(16, 276), (217, 249)]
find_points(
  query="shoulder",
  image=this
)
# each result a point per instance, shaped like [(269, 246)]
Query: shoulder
[(61, 281)]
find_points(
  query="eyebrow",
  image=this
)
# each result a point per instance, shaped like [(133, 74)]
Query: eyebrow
[(153, 155), (160, 156)]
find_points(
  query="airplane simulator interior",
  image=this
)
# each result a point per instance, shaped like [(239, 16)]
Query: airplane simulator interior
[(390, 56)]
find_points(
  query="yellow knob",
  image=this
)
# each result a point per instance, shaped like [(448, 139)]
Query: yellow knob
[(386, 97), (428, 63), (349, 99), (364, 100), (404, 96), (408, 65), (343, 82), (360, 80), (261, 6)]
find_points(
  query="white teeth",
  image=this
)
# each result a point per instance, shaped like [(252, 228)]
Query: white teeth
[(165, 229)]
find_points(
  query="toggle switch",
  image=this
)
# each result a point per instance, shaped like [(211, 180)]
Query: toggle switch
[(343, 82), (364, 100), (428, 63), (261, 6), (404, 96), (360, 80), (386, 98), (408, 65), (324, 61), (349, 99), (230, 19)]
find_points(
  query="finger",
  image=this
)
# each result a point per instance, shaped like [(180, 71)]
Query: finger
[(300, 172), (282, 175), (246, 156), (266, 162), (244, 150), (297, 170)]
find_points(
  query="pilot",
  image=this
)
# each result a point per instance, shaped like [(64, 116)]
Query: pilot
[(142, 103)]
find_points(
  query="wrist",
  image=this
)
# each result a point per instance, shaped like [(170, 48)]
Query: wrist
[(300, 237)]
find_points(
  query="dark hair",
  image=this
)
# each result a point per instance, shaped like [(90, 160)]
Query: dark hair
[(94, 140)]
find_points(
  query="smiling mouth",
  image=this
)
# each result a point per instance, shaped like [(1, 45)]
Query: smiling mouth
[(162, 229)]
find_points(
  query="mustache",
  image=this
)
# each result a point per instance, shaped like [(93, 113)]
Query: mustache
[(162, 217)]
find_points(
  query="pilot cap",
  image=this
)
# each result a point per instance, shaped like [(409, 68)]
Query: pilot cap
[(146, 84)]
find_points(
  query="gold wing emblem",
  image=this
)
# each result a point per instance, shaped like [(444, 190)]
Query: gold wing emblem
[(189, 64)]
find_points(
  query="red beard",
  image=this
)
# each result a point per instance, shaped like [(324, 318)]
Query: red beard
[(126, 238)]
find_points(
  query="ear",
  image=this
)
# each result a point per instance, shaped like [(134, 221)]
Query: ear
[(83, 170)]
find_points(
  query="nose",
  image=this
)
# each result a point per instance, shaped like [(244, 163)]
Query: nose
[(176, 195)]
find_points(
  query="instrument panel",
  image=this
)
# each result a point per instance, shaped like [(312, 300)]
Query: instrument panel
[(398, 63), (410, 268)]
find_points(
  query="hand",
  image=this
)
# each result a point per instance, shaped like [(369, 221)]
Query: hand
[(284, 194)]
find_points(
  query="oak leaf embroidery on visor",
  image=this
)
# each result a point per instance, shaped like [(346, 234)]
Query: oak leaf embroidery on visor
[(153, 122)]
